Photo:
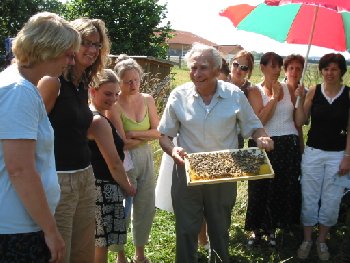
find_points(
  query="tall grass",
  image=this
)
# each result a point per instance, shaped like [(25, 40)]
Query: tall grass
[(161, 248)]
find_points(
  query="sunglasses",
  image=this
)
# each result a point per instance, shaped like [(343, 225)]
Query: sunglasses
[(242, 67)]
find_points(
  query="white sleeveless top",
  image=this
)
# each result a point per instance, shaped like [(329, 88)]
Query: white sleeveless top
[(282, 122)]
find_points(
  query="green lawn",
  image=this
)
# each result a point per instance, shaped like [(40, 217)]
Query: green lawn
[(161, 247)]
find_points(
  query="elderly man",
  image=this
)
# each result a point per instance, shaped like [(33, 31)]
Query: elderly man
[(205, 114)]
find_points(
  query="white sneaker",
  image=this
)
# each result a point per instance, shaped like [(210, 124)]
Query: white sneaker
[(304, 249), (322, 251)]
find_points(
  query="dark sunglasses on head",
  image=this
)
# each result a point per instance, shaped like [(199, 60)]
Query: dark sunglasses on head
[(242, 67)]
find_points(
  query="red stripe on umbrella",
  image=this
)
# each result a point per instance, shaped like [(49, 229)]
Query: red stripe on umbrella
[(338, 5), (335, 39), (237, 13)]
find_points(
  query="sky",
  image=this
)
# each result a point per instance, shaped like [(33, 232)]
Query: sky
[(201, 17)]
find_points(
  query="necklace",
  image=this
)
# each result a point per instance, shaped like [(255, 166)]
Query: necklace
[(242, 85)]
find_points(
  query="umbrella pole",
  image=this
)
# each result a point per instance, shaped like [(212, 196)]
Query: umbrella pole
[(307, 52)]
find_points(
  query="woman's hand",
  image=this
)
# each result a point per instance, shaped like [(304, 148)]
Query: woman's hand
[(276, 90), (300, 92), (130, 190), (55, 243), (129, 135), (265, 143), (344, 166)]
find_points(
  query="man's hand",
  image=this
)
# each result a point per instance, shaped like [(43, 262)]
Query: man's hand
[(178, 155)]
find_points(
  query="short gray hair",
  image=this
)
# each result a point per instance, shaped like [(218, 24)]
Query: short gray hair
[(214, 56)]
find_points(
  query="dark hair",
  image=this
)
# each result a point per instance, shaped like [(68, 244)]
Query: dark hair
[(271, 56), (289, 59), (333, 58), (225, 68)]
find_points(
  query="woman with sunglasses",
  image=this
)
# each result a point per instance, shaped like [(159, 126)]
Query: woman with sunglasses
[(71, 117), (241, 70), (136, 119), (274, 203)]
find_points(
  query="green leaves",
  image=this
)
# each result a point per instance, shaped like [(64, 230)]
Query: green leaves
[(132, 24)]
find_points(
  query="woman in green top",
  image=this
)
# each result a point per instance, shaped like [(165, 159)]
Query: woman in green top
[(136, 119)]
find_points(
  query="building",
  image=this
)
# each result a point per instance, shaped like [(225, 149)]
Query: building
[(182, 42)]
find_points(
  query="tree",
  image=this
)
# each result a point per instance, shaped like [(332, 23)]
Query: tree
[(14, 13), (132, 24)]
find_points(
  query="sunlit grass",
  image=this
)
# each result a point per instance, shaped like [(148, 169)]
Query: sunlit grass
[(161, 247)]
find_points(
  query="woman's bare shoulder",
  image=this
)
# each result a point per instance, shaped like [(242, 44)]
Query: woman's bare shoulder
[(47, 80), (147, 97)]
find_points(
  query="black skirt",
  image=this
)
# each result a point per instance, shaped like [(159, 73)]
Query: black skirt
[(276, 203)]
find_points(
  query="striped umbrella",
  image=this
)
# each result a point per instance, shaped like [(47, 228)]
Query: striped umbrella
[(323, 23)]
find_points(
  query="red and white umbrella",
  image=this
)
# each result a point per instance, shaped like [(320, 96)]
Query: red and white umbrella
[(323, 23)]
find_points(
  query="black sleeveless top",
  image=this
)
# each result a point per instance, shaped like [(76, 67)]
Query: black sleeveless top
[(329, 121), (70, 118), (99, 165)]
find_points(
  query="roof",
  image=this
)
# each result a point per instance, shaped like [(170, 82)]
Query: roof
[(229, 49), (187, 38), (148, 58)]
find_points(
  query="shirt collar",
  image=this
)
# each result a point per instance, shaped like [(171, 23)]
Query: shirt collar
[(220, 91)]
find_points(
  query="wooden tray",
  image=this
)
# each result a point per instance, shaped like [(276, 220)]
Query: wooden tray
[(231, 178)]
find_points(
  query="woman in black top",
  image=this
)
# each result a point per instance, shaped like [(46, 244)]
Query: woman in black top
[(106, 158), (327, 152), (71, 117)]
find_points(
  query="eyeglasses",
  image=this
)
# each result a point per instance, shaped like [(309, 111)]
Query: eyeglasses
[(88, 44), (241, 67), (132, 81)]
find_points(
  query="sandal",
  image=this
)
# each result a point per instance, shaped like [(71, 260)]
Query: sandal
[(271, 238), (254, 239), (144, 260)]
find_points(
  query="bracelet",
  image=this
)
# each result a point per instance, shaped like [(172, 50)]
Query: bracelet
[(347, 155)]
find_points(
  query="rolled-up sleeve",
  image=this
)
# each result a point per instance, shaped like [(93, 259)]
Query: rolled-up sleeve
[(169, 123), (248, 121)]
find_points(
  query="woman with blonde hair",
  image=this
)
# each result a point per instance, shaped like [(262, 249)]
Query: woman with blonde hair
[(107, 157), (28, 181), (71, 117), (136, 119)]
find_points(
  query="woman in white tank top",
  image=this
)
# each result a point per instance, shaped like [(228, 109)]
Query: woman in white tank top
[(274, 203)]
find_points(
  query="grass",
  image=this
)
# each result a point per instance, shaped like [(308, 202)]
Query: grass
[(161, 247)]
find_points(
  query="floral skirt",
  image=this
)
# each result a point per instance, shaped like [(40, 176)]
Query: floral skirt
[(110, 215)]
